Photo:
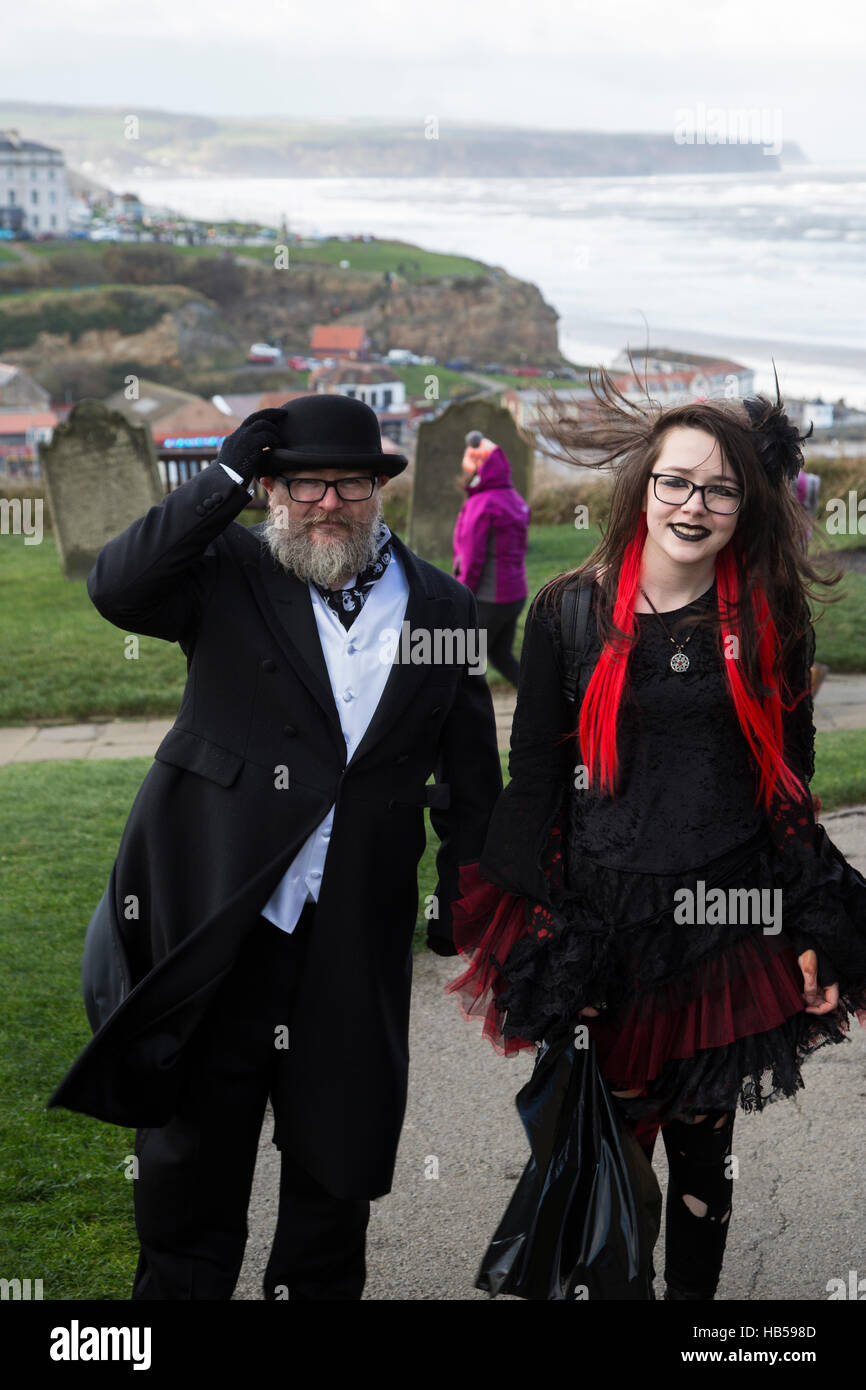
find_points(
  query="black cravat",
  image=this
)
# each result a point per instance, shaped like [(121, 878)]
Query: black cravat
[(347, 603)]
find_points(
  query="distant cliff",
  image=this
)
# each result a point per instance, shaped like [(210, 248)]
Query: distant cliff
[(175, 144)]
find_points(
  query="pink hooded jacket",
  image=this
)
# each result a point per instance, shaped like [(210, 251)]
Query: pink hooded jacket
[(491, 534)]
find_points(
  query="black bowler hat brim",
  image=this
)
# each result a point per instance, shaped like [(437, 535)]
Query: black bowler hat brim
[(390, 464)]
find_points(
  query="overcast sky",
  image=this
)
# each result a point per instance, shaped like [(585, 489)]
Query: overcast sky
[(564, 64)]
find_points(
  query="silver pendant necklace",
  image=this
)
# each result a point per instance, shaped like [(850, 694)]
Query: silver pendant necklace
[(679, 660)]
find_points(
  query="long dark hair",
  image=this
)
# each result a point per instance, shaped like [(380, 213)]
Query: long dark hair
[(764, 576)]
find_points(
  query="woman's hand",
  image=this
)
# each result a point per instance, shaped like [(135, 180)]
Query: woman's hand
[(590, 1011), (818, 999)]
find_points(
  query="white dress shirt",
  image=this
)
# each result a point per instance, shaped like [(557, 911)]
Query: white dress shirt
[(358, 676)]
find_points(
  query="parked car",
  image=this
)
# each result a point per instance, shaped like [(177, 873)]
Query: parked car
[(263, 352), (299, 364), (459, 364)]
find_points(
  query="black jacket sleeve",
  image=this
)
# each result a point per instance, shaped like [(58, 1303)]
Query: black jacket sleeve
[(155, 577), (798, 725), (468, 764), (540, 764)]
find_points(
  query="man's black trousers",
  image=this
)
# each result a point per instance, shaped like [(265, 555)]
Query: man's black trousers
[(195, 1173)]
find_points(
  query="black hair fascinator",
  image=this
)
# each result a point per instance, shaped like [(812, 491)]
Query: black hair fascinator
[(776, 439)]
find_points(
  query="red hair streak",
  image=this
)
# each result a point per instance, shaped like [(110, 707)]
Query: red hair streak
[(759, 720), (600, 707)]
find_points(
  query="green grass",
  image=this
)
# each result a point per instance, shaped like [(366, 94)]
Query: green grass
[(840, 768), (373, 256), (62, 661), (450, 383), (65, 1205), (376, 257), (67, 1209)]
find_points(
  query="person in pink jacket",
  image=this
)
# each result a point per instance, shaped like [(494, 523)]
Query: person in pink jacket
[(490, 539)]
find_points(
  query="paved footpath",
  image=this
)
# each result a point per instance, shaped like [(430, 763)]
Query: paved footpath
[(798, 1220)]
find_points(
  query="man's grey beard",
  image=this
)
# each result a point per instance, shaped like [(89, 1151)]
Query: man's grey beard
[(322, 562)]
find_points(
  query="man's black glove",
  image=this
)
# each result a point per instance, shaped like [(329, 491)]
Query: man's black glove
[(243, 451)]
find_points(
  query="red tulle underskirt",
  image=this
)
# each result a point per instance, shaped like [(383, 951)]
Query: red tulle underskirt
[(752, 987)]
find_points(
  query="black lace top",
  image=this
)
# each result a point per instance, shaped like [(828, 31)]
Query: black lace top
[(688, 780), (687, 784)]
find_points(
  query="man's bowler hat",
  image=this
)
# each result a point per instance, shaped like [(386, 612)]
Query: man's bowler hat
[(327, 430)]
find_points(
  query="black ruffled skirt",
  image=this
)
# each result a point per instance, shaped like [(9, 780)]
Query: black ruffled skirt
[(697, 971)]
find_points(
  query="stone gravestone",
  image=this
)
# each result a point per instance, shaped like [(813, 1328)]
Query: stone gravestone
[(437, 487), (101, 474)]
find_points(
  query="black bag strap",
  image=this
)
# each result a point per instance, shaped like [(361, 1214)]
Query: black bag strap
[(574, 620)]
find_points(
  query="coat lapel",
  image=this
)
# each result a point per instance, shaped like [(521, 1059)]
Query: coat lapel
[(286, 604), (425, 610)]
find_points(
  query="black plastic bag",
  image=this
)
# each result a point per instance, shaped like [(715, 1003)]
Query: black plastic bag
[(585, 1215)]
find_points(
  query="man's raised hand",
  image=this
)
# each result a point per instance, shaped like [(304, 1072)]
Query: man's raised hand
[(245, 450)]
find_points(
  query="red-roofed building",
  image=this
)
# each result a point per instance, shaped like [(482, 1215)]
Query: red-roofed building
[(340, 340)]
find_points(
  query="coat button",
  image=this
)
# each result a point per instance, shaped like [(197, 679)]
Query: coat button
[(289, 730), (268, 665), (403, 758)]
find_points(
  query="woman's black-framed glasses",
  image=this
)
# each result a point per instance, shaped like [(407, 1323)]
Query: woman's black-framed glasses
[(716, 497), (313, 489)]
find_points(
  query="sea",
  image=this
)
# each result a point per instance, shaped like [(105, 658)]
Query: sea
[(761, 268)]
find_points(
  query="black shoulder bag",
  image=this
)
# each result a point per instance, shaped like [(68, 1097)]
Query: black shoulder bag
[(585, 1215), (573, 621)]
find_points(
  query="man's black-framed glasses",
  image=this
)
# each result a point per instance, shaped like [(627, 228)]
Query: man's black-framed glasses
[(716, 497), (313, 489)]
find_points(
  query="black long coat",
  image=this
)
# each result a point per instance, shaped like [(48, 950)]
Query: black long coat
[(210, 832)]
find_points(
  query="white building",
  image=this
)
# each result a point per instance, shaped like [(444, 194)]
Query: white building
[(526, 405), (714, 377), (33, 189)]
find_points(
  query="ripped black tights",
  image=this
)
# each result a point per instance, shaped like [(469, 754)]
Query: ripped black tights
[(698, 1208)]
